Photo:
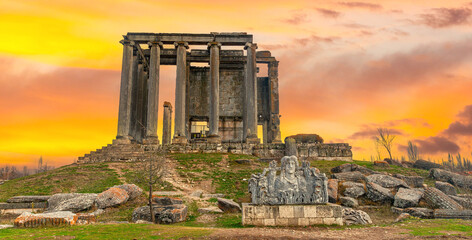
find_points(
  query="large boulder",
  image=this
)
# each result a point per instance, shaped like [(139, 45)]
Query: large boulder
[(28, 199), (412, 181), (228, 205), (132, 190), (464, 201), (452, 178), (407, 198), (419, 212), (378, 193), (351, 167), (453, 214), (348, 202), (438, 199), (446, 188), (332, 190), (386, 181), (355, 217), (426, 165), (162, 214), (78, 203), (56, 199), (353, 189), (394, 162), (349, 176), (60, 218), (112, 197)]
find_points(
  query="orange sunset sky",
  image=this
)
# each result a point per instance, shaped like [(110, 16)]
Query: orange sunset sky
[(346, 68)]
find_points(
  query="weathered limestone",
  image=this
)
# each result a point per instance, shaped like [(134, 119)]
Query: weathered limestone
[(350, 176), (291, 215), (407, 198), (451, 177), (228, 205), (438, 199), (153, 93), (332, 190), (167, 123), (30, 220), (163, 213), (295, 184), (357, 217), (386, 181), (446, 188), (214, 48), (180, 135), (378, 193), (353, 189), (250, 83), (132, 190), (112, 197), (28, 199), (125, 92)]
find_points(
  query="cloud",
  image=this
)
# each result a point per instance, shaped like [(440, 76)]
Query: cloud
[(446, 17), (462, 127), (328, 13), (372, 132), (436, 144), (364, 5), (316, 39), (297, 18)]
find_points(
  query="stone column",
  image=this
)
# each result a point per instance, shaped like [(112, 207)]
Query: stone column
[(181, 76), (273, 69), (153, 93), (250, 83), (214, 117), (124, 113), (167, 123)]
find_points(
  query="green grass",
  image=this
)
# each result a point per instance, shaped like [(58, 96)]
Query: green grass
[(108, 231), (87, 178), (438, 227)]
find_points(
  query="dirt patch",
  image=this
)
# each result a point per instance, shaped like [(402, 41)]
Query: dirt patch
[(371, 233)]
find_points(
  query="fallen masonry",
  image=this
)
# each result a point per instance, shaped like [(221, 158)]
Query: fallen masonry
[(30, 220)]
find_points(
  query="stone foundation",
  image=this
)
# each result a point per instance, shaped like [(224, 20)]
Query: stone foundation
[(291, 215), (122, 151)]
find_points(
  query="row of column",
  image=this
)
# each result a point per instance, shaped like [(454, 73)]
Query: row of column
[(150, 125)]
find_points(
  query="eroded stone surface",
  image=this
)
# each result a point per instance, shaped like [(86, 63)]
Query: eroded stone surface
[(28, 199), (407, 198), (228, 205), (349, 202), (76, 204), (132, 190), (112, 197), (452, 178), (53, 219), (295, 184), (438, 199), (350, 176), (353, 189), (163, 214), (386, 181), (332, 190), (446, 188), (357, 217), (378, 193)]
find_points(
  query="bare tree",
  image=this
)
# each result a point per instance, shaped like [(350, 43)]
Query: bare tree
[(412, 152), (385, 139), (150, 172)]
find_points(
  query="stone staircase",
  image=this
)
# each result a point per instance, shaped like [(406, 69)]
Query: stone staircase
[(119, 152)]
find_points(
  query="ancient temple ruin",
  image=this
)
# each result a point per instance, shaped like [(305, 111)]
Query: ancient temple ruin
[(222, 102)]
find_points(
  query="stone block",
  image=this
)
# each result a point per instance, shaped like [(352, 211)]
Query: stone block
[(310, 211), (303, 222), (298, 211), (329, 221), (286, 211), (324, 211), (281, 221), (28, 199), (315, 221), (23, 205), (269, 222)]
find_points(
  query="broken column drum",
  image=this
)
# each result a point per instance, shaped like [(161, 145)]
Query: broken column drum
[(224, 101)]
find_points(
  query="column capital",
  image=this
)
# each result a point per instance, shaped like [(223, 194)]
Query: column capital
[(155, 43), (250, 45), (127, 42), (211, 44), (177, 44)]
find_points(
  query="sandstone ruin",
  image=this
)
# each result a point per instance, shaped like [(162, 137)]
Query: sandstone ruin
[(218, 107)]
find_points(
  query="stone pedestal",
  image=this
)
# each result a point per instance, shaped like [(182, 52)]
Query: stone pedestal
[(122, 140), (151, 140), (253, 140), (291, 215), (214, 139), (179, 140)]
